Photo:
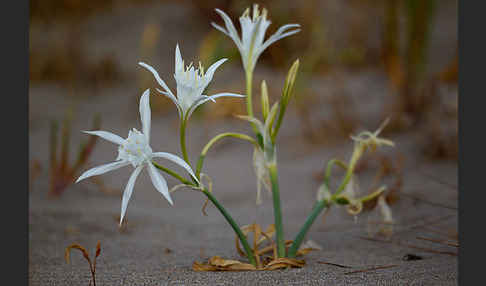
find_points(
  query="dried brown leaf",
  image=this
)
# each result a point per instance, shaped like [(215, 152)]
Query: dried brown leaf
[(284, 262), (196, 266), (98, 249), (217, 263), (304, 251), (78, 247)]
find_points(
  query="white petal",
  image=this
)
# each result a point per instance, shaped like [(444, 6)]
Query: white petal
[(285, 28), (214, 96), (157, 77), (172, 97), (159, 182), (179, 63), (176, 160), (210, 72), (128, 191), (278, 35), (230, 27), (103, 169), (145, 114), (221, 29), (107, 136), (203, 99)]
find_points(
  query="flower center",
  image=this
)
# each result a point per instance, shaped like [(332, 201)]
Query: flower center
[(135, 149), (191, 83)]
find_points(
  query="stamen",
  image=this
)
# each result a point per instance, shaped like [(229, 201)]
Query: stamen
[(246, 13)]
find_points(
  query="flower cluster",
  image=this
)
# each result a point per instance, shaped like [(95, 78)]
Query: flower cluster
[(191, 84)]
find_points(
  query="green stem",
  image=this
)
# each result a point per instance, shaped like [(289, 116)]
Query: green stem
[(277, 212), (172, 173), (249, 103), (183, 141), (226, 215), (216, 139), (249, 84), (305, 228), (330, 164), (357, 152), (234, 225)]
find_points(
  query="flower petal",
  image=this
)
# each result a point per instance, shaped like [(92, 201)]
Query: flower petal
[(159, 182), (157, 77), (210, 72), (230, 27), (179, 63), (205, 98), (177, 160), (214, 96), (145, 114), (198, 102), (221, 29), (103, 169), (172, 97), (107, 136), (128, 191), (279, 35)]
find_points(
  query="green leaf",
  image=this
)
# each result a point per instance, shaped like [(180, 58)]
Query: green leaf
[(289, 82), (264, 99), (286, 93)]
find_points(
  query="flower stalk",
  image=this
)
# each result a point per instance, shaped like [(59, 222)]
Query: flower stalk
[(249, 101), (277, 211), (183, 140), (234, 225), (215, 139), (219, 206)]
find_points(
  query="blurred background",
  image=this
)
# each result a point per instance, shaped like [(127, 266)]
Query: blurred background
[(361, 61), (403, 52)]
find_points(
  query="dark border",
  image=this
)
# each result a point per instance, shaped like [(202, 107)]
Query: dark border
[(15, 161), (471, 179)]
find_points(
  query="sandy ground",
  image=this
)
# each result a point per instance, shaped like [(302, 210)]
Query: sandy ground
[(138, 255)]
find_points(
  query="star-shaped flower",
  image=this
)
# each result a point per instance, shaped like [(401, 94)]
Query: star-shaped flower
[(135, 150), (191, 83), (253, 29)]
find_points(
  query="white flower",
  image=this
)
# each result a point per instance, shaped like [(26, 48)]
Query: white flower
[(135, 150), (251, 43), (191, 83)]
